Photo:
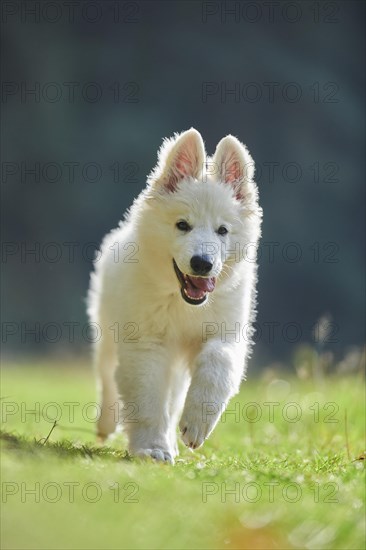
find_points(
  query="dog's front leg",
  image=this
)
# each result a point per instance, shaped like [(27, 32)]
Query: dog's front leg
[(216, 379), (144, 381)]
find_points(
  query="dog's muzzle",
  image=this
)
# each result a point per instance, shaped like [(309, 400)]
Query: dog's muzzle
[(194, 289)]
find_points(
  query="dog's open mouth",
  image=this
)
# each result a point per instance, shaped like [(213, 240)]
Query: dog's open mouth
[(194, 290)]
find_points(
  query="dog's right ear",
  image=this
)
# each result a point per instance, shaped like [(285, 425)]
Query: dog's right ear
[(180, 157)]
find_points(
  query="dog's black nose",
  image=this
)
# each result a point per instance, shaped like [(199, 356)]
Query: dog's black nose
[(201, 265)]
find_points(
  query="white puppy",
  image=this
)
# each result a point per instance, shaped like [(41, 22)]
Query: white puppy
[(173, 294)]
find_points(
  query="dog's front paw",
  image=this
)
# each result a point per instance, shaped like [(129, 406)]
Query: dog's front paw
[(157, 454), (195, 427)]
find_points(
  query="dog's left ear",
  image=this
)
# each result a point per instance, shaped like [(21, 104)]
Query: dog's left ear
[(233, 165), (180, 157)]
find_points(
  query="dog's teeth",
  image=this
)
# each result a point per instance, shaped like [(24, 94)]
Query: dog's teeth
[(191, 297)]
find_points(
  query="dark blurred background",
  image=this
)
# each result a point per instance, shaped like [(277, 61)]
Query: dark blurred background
[(90, 89)]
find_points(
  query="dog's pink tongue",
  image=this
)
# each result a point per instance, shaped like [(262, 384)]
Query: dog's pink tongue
[(203, 283)]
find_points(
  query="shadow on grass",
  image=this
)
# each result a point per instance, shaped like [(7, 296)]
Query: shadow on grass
[(64, 449)]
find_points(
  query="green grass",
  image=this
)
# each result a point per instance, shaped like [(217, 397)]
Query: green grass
[(256, 483)]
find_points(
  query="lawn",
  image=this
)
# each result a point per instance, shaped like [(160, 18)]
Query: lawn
[(283, 469)]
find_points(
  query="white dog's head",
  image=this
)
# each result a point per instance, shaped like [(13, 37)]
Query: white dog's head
[(203, 211)]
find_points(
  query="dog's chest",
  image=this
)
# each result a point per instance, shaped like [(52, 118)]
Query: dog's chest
[(175, 324)]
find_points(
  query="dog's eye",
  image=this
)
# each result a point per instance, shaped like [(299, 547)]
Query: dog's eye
[(183, 226), (222, 230)]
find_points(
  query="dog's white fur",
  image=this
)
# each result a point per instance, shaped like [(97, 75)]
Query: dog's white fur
[(164, 361)]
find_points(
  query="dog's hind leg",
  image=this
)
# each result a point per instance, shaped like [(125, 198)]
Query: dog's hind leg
[(106, 363)]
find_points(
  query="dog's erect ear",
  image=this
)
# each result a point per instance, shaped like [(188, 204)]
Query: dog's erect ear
[(180, 157), (233, 164)]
